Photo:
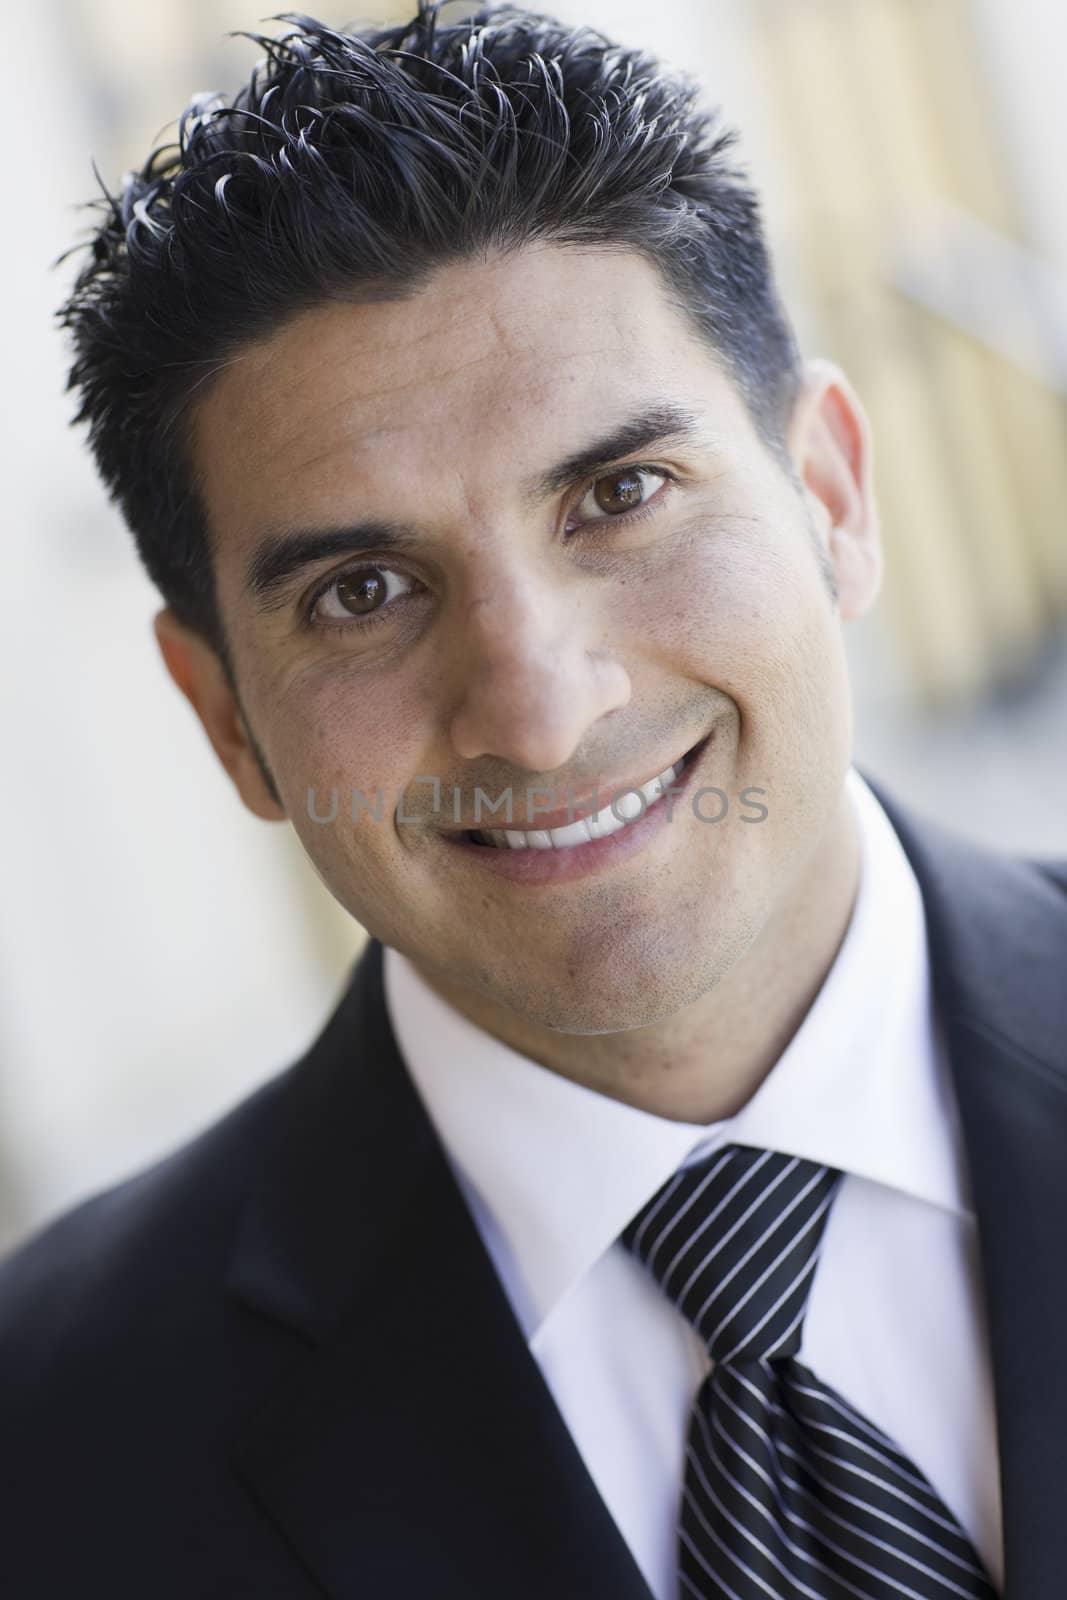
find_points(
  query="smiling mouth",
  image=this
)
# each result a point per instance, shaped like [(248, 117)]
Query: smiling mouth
[(629, 806)]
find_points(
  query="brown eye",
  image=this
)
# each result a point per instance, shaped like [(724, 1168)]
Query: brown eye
[(621, 491), (362, 594), (615, 493)]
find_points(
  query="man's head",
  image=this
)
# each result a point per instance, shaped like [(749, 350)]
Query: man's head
[(354, 165), (443, 381)]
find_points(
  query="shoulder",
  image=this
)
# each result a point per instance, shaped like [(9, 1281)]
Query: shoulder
[(996, 924), (1055, 870), (949, 862), (124, 1372), (160, 1236), (142, 1267)]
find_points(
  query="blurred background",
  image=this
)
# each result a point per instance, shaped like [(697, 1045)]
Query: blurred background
[(161, 951)]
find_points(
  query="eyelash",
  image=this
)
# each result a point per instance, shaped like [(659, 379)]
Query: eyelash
[(374, 618)]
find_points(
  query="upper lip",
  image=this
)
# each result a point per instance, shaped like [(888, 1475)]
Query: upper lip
[(592, 799)]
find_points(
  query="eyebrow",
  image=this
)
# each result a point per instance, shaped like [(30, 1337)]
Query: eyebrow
[(279, 557), (653, 426)]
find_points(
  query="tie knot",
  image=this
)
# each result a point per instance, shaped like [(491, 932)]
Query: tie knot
[(733, 1241)]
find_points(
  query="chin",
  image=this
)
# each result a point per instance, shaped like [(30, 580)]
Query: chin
[(617, 995)]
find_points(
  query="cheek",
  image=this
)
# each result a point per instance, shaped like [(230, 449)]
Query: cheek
[(745, 610), (344, 735), (740, 596), (350, 730)]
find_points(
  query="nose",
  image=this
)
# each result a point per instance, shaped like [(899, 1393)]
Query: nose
[(535, 675)]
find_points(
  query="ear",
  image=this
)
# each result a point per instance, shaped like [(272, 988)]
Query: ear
[(198, 671), (829, 439)]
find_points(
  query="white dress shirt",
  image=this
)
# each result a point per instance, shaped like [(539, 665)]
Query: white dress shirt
[(552, 1173)]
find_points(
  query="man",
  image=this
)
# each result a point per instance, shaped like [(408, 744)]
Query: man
[(674, 1204)]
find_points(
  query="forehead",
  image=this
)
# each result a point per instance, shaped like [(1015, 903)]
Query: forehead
[(487, 366)]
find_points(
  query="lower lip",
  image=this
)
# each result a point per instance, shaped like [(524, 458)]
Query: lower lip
[(581, 860)]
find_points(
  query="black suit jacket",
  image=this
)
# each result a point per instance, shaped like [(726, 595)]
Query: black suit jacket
[(280, 1363)]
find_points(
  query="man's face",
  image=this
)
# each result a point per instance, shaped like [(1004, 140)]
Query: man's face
[(508, 598)]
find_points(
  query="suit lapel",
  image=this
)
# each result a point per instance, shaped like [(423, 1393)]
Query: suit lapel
[(412, 1447), (998, 945)]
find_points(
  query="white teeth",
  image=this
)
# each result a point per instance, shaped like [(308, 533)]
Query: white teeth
[(572, 833), (599, 826)]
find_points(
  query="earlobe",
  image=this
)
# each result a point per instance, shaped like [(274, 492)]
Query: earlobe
[(830, 443), (197, 670)]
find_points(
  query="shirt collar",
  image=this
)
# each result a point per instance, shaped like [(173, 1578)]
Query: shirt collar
[(553, 1171)]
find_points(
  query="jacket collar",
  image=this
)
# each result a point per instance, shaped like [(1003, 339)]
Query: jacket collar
[(997, 928), (414, 1447)]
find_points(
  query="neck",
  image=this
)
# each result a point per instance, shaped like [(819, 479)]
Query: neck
[(707, 1060)]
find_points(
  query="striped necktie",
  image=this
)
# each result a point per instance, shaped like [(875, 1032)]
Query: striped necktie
[(789, 1491)]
